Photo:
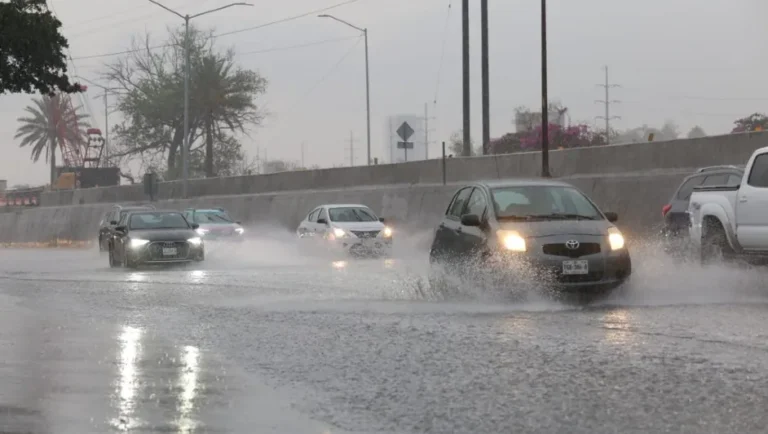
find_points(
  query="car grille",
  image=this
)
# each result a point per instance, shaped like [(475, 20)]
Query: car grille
[(593, 276), (561, 250), (156, 250), (366, 234)]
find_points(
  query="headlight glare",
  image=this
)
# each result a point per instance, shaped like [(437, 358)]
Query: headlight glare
[(339, 233), (201, 231), (615, 239), (240, 230), (135, 243), (387, 232), (196, 241), (512, 241)]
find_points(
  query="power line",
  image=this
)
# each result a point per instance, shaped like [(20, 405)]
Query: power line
[(442, 51), (291, 47), (248, 29), (607, 102)]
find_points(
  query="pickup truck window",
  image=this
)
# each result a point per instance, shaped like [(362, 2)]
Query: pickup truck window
[(687, 188), (733, 180), (758, 176), (714, 180)]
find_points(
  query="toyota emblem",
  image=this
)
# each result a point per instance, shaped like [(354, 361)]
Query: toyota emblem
[(572, 244)]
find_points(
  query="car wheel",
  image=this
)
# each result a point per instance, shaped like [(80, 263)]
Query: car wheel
[(714, 243), (127, 261), (112, 262), (200, 257)]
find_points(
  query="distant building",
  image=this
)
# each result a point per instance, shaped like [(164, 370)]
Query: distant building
[(3, 186), (527, 121), (395, 154)]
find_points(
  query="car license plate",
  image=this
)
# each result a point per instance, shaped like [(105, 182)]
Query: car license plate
[(169, 251), (575, 267)]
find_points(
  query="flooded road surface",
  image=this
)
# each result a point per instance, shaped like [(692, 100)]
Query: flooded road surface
[(266, 339)]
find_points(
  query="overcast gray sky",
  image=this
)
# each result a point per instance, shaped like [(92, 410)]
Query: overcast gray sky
[(695, 62)]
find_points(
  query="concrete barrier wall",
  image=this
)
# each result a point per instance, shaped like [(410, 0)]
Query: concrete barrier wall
[(676, 154), (637, 198)]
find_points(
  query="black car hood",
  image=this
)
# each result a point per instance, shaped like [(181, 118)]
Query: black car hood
[(544, 228), (163, 234)]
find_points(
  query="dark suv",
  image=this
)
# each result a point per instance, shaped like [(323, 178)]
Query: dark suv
[(675, 213), (110, 219)]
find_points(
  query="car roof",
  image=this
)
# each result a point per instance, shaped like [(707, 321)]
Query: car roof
[(206, 209), (132, 207), (724, 168), (345, 205), (153, 211), (519, 182)]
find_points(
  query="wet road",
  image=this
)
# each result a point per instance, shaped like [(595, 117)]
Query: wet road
[(267, 339)]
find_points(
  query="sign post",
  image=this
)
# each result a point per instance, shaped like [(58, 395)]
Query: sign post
[(405, 132)]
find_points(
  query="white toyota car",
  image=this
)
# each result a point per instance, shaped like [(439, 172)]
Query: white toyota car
[(354, 228)]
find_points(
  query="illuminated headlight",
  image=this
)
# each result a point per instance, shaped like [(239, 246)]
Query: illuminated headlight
[(615, 239), (512, 241), (339, 233), (201, 231), (196, 241), (136, 243), (240, 231), (387, 232)]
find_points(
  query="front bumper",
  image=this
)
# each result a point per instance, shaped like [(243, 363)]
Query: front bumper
[(363, 245), (157, 252)]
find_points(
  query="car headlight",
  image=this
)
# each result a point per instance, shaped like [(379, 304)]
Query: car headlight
[(387, 232), (135, 243), (615, 239), (240, 231), (511, 241), (196, 241), (339, 233), (201, 231)]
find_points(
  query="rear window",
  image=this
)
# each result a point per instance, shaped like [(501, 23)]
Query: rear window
[(212, 217), (684, 193), (758, 177)]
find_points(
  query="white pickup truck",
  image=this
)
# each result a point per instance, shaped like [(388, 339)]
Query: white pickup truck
[(732, 221)]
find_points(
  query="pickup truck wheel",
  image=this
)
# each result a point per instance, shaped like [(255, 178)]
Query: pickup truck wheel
[(714, 243)]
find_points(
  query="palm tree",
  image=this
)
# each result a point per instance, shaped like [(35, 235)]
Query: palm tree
[(224, 100), (52, 124)]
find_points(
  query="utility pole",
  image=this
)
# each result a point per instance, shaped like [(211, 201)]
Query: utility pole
[(106, 90), (485, 77), (426, 131), (351, 149), (467, 151), (607, 102), (544, 97)]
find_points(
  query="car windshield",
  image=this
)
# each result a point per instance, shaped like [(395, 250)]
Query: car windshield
[(157, 220), (543, 202), (212, 217), (351, 214)]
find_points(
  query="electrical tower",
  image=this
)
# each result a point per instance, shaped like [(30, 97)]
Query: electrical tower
[(607, 103), (427, 130)]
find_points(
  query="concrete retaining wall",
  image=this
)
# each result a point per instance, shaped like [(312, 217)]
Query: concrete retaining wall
[(637, 198), (639, 157)]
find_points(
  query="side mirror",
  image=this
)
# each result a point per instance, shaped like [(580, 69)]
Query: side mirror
[(382, 219), (612, 216), (113, 222), (322, 221), (239, 223), (470, 220), (195, 225), (120, 228)]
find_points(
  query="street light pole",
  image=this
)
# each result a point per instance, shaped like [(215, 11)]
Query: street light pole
[(367, 79), (544, 97), (185, 145)]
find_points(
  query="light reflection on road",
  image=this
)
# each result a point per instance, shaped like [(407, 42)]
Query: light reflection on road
[(188, 384), (617, 326), (130, 351)]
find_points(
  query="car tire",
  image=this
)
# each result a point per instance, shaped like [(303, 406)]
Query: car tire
[(112, 262), (200, 257), (127, 261), (714, 243)]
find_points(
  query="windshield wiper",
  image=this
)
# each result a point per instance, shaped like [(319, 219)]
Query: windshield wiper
[(563, 216)]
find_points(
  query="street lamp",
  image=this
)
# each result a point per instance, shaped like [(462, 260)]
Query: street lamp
[(185, 146), (367, 79)]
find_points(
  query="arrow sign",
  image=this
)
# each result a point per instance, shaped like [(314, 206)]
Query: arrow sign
[(405, 131)]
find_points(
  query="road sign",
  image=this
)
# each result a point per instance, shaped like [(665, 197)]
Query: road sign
[(405, 132), (404, 145)]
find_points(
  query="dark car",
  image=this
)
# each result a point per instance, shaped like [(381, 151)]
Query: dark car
[(543, 229), (215, 224), (674, 214), (154, 237), (106, 228)]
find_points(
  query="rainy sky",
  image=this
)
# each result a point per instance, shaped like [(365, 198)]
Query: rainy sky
[(691, 61)]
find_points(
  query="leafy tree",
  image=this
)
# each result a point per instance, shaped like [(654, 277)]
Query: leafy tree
[(753, 122), (32, 49), (696, 133), (560, 138), (456, 145), (51, 124), (669, 131), (221, 102)]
